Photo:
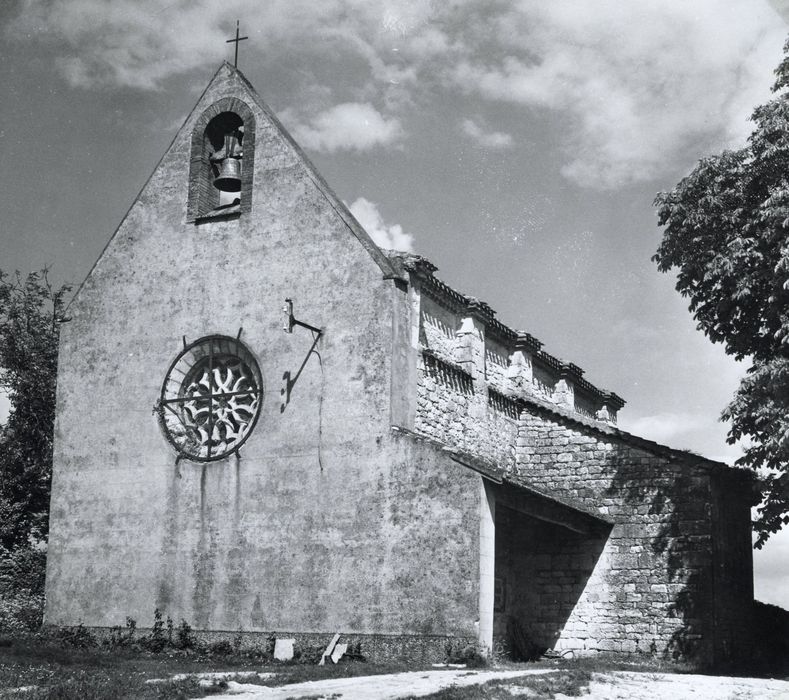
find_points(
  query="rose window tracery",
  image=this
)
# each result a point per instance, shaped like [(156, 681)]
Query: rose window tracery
[(211, 398)]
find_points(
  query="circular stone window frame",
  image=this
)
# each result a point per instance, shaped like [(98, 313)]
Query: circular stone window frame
[(173, 387)]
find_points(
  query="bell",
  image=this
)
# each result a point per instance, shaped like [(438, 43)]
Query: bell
[(229, 178)]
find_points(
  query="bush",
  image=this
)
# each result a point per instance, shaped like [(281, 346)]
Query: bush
[(770, 647), (21, 612), (184, 636), (156, 640), (308, 653), (221, 648), (22, 575), (469, 654), (23, 569), (78, 637)]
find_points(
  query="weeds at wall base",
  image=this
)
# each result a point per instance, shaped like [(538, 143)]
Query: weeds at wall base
[(165, 638)]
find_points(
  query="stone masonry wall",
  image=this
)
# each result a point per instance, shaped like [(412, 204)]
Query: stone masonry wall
[(455, 402), (456, 410), (466, 379), (652, 587), (542, 570), (672, 576)]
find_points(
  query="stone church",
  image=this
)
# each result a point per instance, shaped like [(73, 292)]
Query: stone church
[(266, 423)]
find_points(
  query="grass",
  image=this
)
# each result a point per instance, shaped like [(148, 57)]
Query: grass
[(63, 673), (571, 682), (59, 671), (571, 678)]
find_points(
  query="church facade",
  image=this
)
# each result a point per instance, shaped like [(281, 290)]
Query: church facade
[(267, 423)]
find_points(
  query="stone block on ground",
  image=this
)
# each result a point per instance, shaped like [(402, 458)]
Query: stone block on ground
[(283, 649)]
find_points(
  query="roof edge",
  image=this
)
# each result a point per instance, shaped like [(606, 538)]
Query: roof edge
[(423, 269), (494, 472), (381, 260), (147, 180), (628, 438)]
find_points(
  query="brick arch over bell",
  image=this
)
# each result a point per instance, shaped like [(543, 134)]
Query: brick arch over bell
[(203, 196)]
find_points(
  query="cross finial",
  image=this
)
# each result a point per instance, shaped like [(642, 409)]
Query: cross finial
[(235, 41)]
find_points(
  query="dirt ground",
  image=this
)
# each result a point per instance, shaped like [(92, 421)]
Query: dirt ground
[(383, 687), (672, 686), (604, 686)]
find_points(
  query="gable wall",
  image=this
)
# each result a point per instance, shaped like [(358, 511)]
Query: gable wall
[(310, 529)]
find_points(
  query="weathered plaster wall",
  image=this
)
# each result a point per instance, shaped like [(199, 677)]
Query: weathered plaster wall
[(325, 522)]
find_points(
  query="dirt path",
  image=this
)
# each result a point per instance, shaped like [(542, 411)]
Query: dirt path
[(671, 686), (608, 686), (384, 687)]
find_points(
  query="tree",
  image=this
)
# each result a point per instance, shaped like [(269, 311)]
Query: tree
[(727, 234), (30, 311)]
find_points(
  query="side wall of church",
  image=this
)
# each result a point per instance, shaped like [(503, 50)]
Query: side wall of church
[(324, 522), (457, 400), (673, 575)]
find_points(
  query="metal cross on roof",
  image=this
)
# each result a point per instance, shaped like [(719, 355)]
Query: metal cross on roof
[(235, 41)]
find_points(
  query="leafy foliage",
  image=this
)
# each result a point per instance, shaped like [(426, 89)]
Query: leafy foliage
[(22, 587), (727, 234), (30, 310)]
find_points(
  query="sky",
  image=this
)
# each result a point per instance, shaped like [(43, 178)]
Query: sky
[(518, 145)]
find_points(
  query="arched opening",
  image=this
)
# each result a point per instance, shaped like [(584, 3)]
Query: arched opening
[(221, 167), (223, 141)]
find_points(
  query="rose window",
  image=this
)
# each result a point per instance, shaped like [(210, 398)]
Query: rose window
[(211, 398)]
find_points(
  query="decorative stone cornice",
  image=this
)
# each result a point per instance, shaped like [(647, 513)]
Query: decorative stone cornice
[(496, 329), (442, 293), (570, 371), (416, 263), (451, 365), (422, 269), (613, 401), (551, 362), (526, 342), (479, 310)]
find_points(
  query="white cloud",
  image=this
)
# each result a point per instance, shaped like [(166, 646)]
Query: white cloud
[(685, 430), (665, 428), (493, 140), (635, 84), (349, 126), (389, 236), (136, 43), (140, 43)]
